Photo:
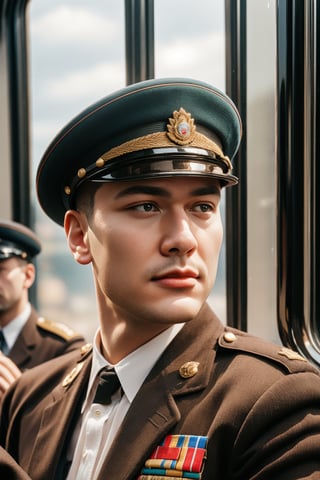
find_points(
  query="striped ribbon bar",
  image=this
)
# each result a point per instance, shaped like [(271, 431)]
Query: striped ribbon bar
[(178, 456)]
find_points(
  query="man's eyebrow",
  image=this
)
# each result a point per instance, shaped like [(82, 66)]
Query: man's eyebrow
[(145, 189), (162, 192), (207, 190)]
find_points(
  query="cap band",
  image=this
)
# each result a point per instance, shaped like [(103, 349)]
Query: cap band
[(9, 249), (162, 139)]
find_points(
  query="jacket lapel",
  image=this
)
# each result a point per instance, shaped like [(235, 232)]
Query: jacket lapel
[(27, 338), (155, 410), (145, 424), (66, 403)]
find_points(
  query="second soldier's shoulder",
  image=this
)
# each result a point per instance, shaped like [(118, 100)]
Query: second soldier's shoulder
[(50, 373), (57, 329)]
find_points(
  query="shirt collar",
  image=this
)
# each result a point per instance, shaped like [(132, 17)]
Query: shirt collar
[(134, 368), (12, 330)]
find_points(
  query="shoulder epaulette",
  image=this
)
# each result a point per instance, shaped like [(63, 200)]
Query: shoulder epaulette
[(59, 329), (236, 340)]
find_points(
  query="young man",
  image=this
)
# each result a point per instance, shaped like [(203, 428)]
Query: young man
[(26, 339), (136, 180)]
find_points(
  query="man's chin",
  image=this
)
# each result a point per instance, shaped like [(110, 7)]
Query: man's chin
[(182, 310)]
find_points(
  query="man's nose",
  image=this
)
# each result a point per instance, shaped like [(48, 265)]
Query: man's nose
[(178, 237)]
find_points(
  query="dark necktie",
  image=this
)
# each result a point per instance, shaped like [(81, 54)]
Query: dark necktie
[(108, 385), (3, 343)]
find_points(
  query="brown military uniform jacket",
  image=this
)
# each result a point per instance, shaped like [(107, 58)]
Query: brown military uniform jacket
[(9, 469), (257, 404), (41, 340)]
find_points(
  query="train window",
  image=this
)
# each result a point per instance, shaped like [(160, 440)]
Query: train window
[(77, 55)]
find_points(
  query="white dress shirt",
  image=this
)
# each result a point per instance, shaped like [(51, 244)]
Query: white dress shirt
[(99, 423)]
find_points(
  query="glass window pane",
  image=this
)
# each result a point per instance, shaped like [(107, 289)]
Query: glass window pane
[(190, 40), (77, 56), (261, 114)]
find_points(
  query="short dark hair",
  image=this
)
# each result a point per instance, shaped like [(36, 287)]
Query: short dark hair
[(84, 201)]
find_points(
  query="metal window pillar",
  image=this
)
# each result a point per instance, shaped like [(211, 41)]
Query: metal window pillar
[(236, 198), (298, 175), (14, 103), (139, 21)]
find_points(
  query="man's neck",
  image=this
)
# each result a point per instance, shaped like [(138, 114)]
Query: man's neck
[(8, 315), (120, 342)]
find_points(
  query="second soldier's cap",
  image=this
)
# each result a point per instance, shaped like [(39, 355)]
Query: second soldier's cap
[(17, 240), (155, 128)]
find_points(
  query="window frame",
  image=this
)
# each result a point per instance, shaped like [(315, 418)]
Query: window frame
[(297, 148)]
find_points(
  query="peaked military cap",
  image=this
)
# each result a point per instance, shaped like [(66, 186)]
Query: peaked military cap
[(17, 240), (155, 128)]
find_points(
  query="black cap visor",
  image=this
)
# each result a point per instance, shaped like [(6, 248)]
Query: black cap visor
[(160, 162)]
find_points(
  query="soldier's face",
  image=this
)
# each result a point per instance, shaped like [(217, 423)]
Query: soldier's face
[(13, 279), (154, 246)]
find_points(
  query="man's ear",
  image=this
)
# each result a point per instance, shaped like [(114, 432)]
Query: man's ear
[(76, 227), (30, 273)]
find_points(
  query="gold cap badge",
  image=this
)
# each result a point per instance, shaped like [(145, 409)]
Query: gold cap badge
[(181, 128)]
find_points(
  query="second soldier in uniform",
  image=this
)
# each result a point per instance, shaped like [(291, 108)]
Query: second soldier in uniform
[(26, 338)]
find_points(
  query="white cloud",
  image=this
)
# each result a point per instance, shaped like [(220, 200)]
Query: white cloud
[(45, 129), (199, 57), (86, 85), (72, 25)]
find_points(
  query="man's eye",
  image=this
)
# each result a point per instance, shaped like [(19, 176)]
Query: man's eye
[(145, 207), (203, 208)]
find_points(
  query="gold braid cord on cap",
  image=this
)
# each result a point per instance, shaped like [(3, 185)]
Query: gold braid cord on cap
[(181, 131)]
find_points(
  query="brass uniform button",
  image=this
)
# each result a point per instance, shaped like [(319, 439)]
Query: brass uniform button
[(82, 172), (229, 337), (189, 369)]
